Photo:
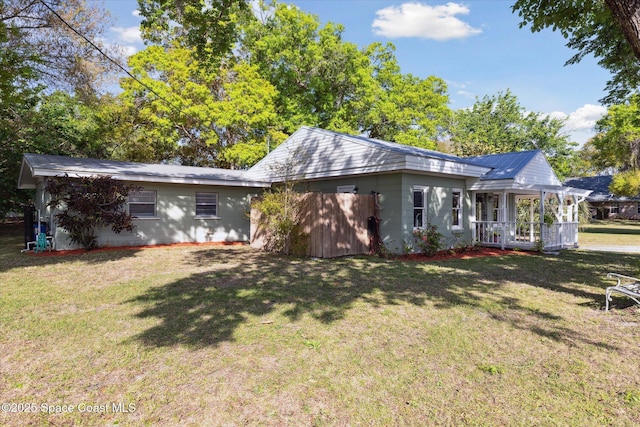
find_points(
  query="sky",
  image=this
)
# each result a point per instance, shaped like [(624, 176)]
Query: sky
[(476, 47)]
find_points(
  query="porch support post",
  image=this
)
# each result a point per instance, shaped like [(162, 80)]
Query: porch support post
[(531, 228), (474, 219), (543, 196), (505, 218), (560, 216)]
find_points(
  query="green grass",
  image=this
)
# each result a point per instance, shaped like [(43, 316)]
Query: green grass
[(610, 233), (228, 336)]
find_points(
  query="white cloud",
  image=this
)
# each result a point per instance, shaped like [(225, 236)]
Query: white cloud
[(424, 21), (583, 119), (128, 34)]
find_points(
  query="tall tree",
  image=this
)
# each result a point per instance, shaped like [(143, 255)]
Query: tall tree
[(207, 26), (499, 124), (403, 108), (203, 117), (617, 144), (605, 29), (326, 82), (50, 37)]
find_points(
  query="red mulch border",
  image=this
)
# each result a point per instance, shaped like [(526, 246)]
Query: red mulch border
[(134, 248), (473, 253)]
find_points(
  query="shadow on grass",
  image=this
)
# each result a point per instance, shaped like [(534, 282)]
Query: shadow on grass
[(12, 257), (204, 309)]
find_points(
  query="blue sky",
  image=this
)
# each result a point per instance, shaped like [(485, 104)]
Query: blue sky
[(475, 46)]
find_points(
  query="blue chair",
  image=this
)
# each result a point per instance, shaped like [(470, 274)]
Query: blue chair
[(41, 243)]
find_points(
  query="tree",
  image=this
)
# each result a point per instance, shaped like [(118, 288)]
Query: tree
[(39, 54), (88, 203), (48, 37), (203, 117), (326, 82), (207, 26), (403, 108), (498, 124), (617, 143), (606, 29)]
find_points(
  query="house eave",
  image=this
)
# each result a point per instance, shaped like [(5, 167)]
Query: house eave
[(412, 164), (46, 173), (512, 186)]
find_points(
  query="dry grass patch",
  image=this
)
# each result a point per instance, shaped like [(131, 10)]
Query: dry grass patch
[(229, 336)]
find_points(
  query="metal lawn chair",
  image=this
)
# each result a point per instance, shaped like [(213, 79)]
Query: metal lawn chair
[(628, 286)]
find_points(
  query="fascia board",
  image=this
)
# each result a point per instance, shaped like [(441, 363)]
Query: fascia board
[(155, 179)]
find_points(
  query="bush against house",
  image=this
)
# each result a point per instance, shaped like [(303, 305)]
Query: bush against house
[(280, 218), (88, 203)]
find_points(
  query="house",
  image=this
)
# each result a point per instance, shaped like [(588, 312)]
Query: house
[(477, 199), (175, 204), (602, 203)]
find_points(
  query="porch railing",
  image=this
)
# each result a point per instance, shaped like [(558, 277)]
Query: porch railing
[(525, 235)]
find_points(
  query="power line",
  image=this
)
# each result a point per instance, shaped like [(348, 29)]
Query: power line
[(113, 61)]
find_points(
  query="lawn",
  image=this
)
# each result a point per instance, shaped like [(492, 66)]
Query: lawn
[(213, 335), (610, 233)]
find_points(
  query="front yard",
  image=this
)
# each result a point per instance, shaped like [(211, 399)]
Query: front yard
[(211, 335)]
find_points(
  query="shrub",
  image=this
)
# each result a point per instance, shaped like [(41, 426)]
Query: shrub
[(280, 211), (88, 203), (428, 240)]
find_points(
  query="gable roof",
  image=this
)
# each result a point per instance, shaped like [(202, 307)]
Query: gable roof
[(44, 165), (599, 185), (312, 153), (505, 165)]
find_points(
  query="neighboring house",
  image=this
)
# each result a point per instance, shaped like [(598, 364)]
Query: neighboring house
[(602, 203), (468, 199)]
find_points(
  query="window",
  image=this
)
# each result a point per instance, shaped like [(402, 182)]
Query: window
[(142, 204), (638, 208), (615, 208), (346, 189), (456, 208), (496, 207), (206, 204), (419, 211)]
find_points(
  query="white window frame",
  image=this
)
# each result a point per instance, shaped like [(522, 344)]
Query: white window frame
[(457, 213), (496, 207), (142, 194), (346, 189), (614, 208), (204, 199), (423, 208)]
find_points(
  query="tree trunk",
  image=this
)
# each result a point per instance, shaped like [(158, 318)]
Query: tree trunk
[(627, 14)]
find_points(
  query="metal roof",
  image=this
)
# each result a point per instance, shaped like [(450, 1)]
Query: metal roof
[(44, 165), (504, 165), (599, 185)]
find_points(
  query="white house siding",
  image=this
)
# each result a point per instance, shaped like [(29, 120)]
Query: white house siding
[(537, 172), (176, 222), (319, 154)]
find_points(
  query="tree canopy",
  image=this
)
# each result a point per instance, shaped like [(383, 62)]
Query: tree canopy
[(499, 124), (604, 29)]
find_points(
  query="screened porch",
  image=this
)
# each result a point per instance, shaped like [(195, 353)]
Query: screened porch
[(517, 219)]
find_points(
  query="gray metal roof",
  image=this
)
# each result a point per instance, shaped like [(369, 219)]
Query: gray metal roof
[(43, 165), (505, 165), (321, 153), (599, 185)]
